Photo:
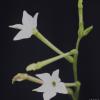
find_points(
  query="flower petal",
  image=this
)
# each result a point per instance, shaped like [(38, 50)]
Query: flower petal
[(48, 95), (35, 17), (27, 19), (60, 88), (22, 35), (43, 88), (45, 77), (16, 26), (55, 76)]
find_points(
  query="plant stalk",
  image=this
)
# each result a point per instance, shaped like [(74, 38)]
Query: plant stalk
[(80, 35)]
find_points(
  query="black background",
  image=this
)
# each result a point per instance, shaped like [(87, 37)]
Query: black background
[(58, 21)]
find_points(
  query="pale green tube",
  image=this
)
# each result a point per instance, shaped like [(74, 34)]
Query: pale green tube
[(41, 64), (50, 45)]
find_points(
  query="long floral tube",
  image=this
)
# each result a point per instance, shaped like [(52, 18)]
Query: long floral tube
[(50, 45), (41, 64)]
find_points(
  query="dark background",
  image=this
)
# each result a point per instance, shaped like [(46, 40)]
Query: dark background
[(58, 21)]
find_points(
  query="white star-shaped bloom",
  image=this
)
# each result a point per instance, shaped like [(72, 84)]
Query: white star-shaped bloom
[(51, 85), (27, 28)]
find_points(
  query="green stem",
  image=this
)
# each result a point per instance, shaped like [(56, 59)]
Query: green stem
[(75, 70), (75, 60), (50, 45), (77, 92), (80, 35), (41, 64)]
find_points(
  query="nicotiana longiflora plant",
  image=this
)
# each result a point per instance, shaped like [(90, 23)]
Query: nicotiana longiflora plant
[(51, 84)]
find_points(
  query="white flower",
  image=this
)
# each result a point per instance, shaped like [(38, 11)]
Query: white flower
[(27, 28), (51, 85)]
